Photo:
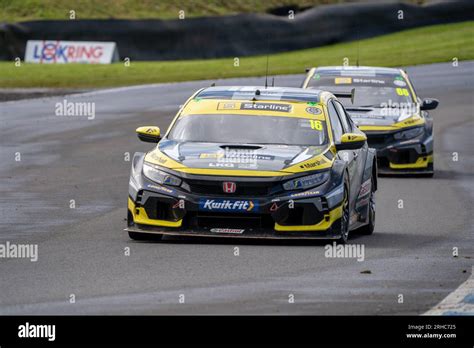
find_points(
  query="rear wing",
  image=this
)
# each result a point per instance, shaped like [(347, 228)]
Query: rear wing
[(350, 94)]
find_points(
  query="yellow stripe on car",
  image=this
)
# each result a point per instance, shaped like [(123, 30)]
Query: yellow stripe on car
[(421, 162), (315, 163), (415, 120), (232, 107), (159, 158), (323, 225), (231, 172), (140, 217)]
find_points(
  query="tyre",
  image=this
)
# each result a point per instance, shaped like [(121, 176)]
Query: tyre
[(370, 227), (345, 214)]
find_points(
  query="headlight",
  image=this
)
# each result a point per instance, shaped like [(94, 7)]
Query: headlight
[(306, 182), (408, 134), (159, 176)]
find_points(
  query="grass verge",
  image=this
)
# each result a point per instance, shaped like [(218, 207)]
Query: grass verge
[(432, 44)]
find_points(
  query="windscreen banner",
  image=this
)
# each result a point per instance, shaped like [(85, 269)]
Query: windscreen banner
[(55, 51)]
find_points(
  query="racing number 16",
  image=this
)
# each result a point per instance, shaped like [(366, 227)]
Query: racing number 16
[(317, 125)]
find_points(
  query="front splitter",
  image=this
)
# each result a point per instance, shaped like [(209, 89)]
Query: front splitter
[(254, 235), (402, 172)]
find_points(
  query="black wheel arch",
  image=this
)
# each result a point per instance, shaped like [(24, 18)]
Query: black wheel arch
[(370, 169), (338, 170)]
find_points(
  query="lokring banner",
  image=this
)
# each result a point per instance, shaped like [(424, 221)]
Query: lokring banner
[(56, 51)]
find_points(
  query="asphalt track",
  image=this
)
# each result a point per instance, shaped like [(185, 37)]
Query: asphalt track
[(82, 250)]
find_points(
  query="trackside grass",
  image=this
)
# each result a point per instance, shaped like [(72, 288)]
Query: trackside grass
[(432, 44), (23, 10)]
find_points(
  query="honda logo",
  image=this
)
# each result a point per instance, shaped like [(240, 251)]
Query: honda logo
[(229, 187)]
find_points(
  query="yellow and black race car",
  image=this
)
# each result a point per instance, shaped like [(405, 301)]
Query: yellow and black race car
[(254, 163), (385, 107)]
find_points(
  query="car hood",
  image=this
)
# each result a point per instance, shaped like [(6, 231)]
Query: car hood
[(378, 116), (212, 156)]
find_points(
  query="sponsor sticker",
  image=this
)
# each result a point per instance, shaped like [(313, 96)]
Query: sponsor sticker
[(247, 165), (379, 117), (211, 155), (226, 106), (369, 81), (249, 156), (52, 51), (410, 121), (228, 205), (314, 111), (160, 188), (343, 80), (266, 107), (236, 156), (227, 230), (158, 158), (221, 165), (312, 164), (399, 83), (305, 194), (357, 72)]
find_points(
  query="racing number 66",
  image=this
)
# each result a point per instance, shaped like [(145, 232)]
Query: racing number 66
[(402, 92)]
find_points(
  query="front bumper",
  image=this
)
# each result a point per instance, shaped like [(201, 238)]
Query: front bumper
[(157, 209), (331, 233), (413, 156)]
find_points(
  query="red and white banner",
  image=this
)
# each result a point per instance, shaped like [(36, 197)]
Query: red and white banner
[(50, 51)]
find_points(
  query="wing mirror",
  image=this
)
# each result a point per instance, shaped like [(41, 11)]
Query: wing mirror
[(429, 104), (149, 134), (351, 141)]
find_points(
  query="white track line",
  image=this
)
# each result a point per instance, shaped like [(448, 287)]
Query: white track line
[(459, 302)]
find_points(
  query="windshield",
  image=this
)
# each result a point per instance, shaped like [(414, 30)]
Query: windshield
[(376, 91), (245, 129)]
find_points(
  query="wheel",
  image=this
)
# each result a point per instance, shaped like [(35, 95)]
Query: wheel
[(144, 236), (345, 215), (370, 227)]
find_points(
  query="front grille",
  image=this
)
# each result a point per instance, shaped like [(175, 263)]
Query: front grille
[(378, 140), (159, 209), (225, 220), (301, 214), (324, 205), (403, 156), (139, 197), (251, 189)]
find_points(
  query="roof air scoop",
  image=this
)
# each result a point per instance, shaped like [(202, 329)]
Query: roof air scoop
[(240, 146)]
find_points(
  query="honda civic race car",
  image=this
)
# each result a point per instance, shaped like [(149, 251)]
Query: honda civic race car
[(385, 107), (254, 163)]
